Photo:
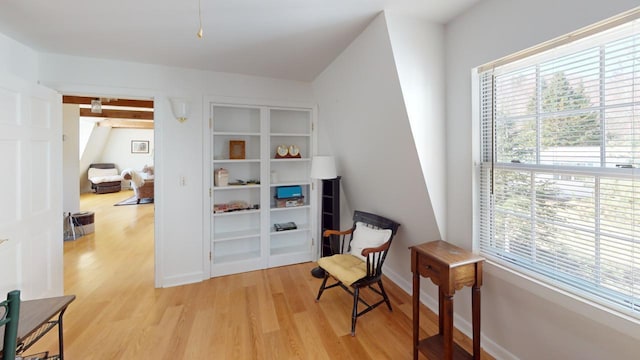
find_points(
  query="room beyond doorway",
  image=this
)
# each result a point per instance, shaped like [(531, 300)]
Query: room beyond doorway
[(120, 123)]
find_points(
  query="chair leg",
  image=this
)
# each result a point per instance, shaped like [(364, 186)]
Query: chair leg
[(324, 282), (384, 295), (354, 316)]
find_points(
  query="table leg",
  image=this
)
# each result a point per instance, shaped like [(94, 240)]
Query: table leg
[(440, 312), (446, 319), (60, 337), (416, 313), (475, 304)]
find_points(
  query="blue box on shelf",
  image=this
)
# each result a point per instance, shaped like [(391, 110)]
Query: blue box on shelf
[(283, 192)]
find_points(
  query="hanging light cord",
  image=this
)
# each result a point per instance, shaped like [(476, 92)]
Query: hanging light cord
[(200, 19)]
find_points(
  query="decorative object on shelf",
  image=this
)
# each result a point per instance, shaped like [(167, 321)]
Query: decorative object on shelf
[(221, 177), (283, 192), (285, 226), (294, 151), (181, 109), (289, 196), (239, 182), (236, 149), (289, 202), (324, 168), (139, 146), (282, 151), (234, 206), (288, 152)]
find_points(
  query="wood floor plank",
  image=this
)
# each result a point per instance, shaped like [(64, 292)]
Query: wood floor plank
[(267, 314)]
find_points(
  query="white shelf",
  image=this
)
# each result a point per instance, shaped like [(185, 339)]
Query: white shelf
[(290, 208), (298, 249), (236, 161), (236, 213), (291, 160), (235, 235), (236, 187), (291, 183), (301, 228), (236, 257), (229, 133), (290, 134)]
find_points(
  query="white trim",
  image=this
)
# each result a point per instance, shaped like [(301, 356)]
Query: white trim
[(257, 102), (579, 305), (183, 279), (159, 111)]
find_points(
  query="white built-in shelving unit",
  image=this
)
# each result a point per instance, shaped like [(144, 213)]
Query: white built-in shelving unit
[(246, 240)]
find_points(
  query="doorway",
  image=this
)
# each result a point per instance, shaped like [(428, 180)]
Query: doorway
[(100, 129)]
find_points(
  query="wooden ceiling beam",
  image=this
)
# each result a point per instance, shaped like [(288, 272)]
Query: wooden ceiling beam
[(85, 100), (128, 124), (119, 114)]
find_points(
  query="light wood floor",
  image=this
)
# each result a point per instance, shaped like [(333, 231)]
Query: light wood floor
[(269, 314)]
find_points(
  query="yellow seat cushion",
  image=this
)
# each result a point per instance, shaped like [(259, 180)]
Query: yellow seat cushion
[(344, 267)]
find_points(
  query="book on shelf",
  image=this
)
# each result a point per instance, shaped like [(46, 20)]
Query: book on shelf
[(285, 226)]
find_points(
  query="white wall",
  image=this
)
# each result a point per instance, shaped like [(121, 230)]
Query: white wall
[(364, 122), (18, 59), (417, 47), (92, 154), (529, 321), (118, 148), (181, 251), (70, 161)]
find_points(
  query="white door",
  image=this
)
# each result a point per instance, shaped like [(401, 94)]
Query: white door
[(31, 233)]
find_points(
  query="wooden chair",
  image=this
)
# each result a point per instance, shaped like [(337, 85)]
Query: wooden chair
[(9, 315), (358, 260)]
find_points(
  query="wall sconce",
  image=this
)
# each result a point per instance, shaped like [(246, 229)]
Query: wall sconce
[(180, 108)]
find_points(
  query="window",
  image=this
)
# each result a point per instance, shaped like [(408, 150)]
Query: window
[(559, 189)]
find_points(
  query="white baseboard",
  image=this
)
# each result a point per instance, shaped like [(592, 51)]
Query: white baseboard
[(464, 326), (182, 279)]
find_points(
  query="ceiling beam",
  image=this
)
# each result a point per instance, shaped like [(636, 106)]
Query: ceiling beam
[(119, 114), (85, 100), (129, 124)]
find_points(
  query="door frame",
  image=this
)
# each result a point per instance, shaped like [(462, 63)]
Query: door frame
[(160, 112)]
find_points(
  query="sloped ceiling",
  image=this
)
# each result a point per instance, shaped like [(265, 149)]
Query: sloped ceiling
[(287, 39)]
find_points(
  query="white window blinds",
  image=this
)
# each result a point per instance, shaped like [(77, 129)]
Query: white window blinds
[(560, 172)]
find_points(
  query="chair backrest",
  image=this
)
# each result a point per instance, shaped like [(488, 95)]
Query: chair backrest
[(375, 261), (9, 315)]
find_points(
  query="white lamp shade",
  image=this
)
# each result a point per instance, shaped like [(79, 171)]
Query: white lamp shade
[(323, 167), (181, 108)]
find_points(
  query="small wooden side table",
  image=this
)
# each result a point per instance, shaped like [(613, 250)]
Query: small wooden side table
[(450, 268)]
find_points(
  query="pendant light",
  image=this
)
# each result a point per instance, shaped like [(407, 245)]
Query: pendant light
[(200, 19)]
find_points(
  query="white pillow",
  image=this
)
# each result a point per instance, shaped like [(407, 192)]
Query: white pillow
[(366, 237)]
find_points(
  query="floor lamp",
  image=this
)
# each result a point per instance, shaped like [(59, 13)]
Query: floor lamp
[(324, 168)]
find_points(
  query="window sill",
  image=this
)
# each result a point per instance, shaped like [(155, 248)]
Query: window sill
[(584, 307)]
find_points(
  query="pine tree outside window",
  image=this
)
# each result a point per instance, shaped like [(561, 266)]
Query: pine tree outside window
[(559, 186)]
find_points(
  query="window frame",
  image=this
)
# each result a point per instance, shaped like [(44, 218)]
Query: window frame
[(499, 261)]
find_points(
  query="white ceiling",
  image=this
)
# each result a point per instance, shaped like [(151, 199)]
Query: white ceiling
[(287, 39)]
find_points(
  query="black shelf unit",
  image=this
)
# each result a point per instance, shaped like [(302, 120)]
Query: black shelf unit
[(330, 220)]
